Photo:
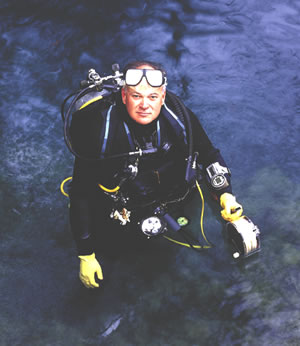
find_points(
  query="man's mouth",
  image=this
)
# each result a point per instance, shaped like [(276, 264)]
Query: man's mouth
[(142, 114)]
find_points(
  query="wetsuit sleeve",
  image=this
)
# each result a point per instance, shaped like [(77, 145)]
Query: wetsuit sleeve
[(208, 154), (83, 197), (84, 131)]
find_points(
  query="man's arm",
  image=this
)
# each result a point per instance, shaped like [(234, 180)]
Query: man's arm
[(82, 196), (210, 157), (216, 172), (85, 128)]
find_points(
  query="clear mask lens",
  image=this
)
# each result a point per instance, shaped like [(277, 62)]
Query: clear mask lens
[(133, 76), (154, 77)]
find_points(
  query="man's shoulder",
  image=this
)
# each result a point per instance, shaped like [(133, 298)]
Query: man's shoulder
[(176, 105), (96, 105)]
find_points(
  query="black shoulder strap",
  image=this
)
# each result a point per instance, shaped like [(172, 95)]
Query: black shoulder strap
[(175, 122), (105, 131), (114, 126)]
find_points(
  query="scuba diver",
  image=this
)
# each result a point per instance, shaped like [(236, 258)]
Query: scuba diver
[(137, 151)]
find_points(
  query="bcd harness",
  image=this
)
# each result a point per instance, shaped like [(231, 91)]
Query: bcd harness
[(110, 118), (130, 178)]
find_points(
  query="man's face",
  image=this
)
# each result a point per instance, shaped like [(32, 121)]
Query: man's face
[(143, 102)]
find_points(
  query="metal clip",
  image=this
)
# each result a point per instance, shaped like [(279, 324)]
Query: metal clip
[(122, 216)]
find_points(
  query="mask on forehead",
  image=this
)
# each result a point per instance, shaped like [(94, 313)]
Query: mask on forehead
[(155, 78)]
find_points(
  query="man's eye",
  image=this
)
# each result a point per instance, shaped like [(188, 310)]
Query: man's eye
[(135, 96), (153, 97)]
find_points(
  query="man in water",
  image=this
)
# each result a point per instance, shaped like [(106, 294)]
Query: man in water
[(117, 193)]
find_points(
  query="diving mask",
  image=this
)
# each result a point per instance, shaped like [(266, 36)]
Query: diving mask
[(155, 78)]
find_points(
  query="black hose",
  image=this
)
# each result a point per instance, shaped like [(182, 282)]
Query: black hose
[(68, 115), (62, 108), (78, 94), (187, 236), (182, 110)]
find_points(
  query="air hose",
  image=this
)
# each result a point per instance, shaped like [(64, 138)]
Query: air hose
[(62, 108), (66, 119), (182, 111), (189, 238)]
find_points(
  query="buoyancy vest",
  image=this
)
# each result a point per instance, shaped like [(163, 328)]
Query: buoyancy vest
[(113, 125), (159, 174)]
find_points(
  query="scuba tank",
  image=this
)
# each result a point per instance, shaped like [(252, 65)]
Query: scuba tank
[(92, 89)]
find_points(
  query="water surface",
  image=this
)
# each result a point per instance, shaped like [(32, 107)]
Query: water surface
[(236, 64)]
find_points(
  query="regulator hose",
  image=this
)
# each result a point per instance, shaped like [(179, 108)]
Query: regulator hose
[(181, 109), (68, 116), (62, 108)]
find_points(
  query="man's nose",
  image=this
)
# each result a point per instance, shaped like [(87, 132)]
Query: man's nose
[(144, 103)]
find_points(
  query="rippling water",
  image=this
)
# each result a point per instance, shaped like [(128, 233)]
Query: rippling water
[(236, 64)]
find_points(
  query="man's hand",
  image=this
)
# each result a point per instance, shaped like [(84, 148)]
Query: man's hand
[(89, 266), (231, 209)]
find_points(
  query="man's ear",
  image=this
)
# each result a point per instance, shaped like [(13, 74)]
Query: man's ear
[(123, 93), (164, 97)]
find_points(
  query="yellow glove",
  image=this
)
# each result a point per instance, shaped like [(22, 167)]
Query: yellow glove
[(89, 266), (231, 209)]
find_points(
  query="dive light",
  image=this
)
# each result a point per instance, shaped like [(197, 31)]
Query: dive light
[(244, 235)]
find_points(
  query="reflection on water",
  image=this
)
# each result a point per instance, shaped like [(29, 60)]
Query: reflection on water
[(236, 64)]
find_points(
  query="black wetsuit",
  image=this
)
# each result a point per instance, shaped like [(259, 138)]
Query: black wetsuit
[(160, 175)]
